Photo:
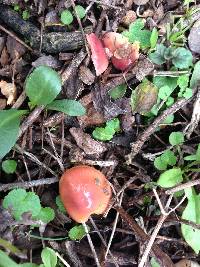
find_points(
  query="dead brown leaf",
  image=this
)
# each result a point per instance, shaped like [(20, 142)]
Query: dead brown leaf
[(92, 117), (2, 103), (86, 75), (9, 91), (187, 263), (85, 142), (14, 48)]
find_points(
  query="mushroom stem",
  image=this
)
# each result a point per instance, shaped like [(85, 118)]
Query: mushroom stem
[(91, 245)]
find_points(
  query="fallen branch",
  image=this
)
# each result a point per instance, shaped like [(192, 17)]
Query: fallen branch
[(162, 257), (28, 184), (136, 146), (52, 42)]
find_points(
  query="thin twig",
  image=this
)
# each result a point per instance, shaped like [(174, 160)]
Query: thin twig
[(61, 258), (91, 245), (102, 240), (114, 227), (30, 119), (182, 187), (16, 38), (34, 159), (165, 213), (28, 184)]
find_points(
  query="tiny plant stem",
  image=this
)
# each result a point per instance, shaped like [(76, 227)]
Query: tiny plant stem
[(103, 241), (91, 245), (114, 227), (63, 261)]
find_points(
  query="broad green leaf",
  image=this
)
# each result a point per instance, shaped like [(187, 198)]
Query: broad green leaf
[(192, 213), (60, 205), (103, 134), (161, 81), (20, 201), (46, 215), (9, 129), (80, 11), (170, 101), (195, 79), (159, 164), (182, 58), (6, 261), (118, 92), (68, 106), (170, 178), (157, 57), (188, 93), (43, 85), (176, 138), (9, 166), (66, 17), (154, 38), (113, 124), (164, 92), (49, 257), (190, 158), (144, 97), (136, 33), (168, 157), (77, 232), (183, 81)]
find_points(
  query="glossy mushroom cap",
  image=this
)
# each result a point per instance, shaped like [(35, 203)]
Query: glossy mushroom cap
[(99, 57), (123, 54), (84, 191)]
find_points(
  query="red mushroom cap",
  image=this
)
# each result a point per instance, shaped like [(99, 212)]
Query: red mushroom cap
[(123, 54), (84, 191), (99, 57)]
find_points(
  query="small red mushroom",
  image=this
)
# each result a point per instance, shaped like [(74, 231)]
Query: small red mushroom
[(84, 191), (122, 53), (99, 57)]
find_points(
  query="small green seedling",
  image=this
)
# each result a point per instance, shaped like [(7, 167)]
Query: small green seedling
[(107, 133), (67, 18), (42, 86), (180, 57), (136, 33), (19, 201), (48, 256), (9, 166)]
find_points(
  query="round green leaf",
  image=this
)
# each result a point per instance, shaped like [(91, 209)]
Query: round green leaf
[(43, 85), (66, 17), (49, 257), (80, 11), (68, 106), (159, 164), (9, 166), (77, 232), (176, 138), (46, 215), (182, 58), (170, 178)]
